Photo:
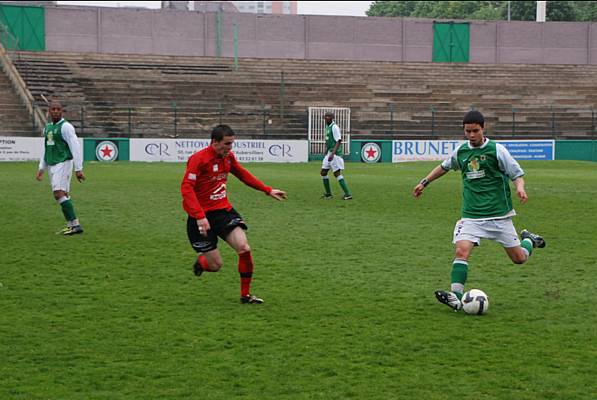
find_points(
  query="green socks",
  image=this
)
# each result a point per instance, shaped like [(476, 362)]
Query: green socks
[(459, 274), (68, 210), (341, 181), (343, 185), (527, 244), (326, 185)]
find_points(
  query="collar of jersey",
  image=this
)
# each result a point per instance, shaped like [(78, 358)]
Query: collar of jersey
[(61, 119), (480, 147)]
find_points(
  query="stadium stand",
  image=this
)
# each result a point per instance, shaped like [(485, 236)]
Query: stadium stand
[(13, 114), (151, 95)]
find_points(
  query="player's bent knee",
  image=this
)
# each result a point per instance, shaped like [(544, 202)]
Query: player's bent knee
[(520, 260), (215, 266), (58, 194), (461, 254), (244, 248)]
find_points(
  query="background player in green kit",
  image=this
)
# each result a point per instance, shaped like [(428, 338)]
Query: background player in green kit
[(332, 159), (486, 168), (61, 152)]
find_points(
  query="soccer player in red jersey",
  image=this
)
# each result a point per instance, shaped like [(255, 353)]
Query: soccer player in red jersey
[(205, 199)]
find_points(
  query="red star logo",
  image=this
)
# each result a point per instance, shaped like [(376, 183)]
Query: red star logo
[(106, 151), (370, 152)]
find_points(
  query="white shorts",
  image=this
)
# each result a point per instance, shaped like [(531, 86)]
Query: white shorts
[(501, 230), (336, 164), (60, 175)]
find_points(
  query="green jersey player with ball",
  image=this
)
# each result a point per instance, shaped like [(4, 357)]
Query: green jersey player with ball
[(487, 169)]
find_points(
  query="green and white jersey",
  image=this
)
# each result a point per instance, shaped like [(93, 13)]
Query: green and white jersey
[(332, 135), (486, 174), (61, 144)]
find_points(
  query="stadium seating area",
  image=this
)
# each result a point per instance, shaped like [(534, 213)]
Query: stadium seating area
[(146, 96), (14, 116)]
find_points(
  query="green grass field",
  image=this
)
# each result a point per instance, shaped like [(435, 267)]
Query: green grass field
[(116, 313)]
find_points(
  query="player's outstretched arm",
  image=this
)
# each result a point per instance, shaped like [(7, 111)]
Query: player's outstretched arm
[(278, 194)]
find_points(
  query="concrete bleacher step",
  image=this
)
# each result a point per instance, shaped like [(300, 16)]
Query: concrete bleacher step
[(13, 114)]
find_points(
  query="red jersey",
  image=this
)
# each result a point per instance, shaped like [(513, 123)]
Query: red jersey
[(203, 187)]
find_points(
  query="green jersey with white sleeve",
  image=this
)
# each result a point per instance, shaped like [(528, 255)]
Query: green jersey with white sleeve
[(486, 173), (332, 135), (61, 144)]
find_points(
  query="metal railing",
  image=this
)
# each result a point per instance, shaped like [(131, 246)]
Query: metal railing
[(174, 119), (194, 119), (551, 121)]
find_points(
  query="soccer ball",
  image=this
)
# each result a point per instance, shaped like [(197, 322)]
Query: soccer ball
[(475, 302)]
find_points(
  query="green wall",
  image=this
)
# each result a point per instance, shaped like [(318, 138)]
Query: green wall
[(583, 150), (25, 26), (451, 42)]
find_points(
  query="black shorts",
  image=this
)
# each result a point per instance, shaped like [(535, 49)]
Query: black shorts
[(221, 223)]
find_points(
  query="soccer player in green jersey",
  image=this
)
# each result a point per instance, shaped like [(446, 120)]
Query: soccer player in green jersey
[(332, 158), (61, 152), (486, 168)]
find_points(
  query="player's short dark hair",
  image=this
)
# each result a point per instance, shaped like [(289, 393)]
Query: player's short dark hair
[(56, 101), (474, 117), (220, 131), (329, 114)]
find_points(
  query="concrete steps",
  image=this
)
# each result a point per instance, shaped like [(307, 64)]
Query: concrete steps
[(395, 98), (15, 120)]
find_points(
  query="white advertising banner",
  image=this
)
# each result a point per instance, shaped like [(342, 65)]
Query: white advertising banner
[(429, 150), (179, 150), (14, 148), (423, 150)]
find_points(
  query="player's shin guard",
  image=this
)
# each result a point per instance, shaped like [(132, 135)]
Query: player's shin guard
[(68, 210), (245, 269), (527, 246), (326, 185), (343, 184), (459, 275)]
